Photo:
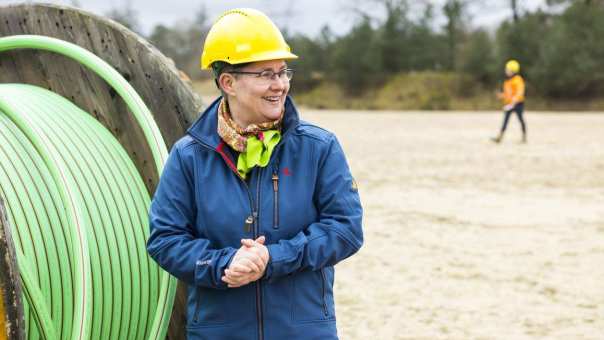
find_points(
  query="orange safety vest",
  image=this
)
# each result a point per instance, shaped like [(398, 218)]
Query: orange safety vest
[(513, 90)]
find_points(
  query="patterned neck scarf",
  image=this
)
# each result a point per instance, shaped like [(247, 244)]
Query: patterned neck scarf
[(255, 143)]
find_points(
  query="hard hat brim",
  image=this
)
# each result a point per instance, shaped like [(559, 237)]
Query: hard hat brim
[(271, 55)]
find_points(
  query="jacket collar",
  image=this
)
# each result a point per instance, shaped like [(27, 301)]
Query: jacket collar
[(205, 128)]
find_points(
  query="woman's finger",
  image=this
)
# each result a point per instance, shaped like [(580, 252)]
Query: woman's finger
[(240, 268), (247, 242), (236, 281), (227, 280), (257, 259), (233, 274), (250, 263), (244, 265)]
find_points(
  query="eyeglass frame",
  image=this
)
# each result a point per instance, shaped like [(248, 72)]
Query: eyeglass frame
[(285, 71)]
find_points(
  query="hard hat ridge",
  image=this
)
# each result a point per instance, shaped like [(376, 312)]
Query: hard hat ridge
[(244, 35)]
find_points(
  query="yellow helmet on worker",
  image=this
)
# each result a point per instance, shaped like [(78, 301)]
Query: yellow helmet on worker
[(244, 35), (512, 66)]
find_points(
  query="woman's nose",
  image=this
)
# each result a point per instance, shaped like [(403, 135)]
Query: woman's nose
[(279, 84)]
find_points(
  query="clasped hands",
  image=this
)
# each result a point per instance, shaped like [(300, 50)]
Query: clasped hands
[(248, 264)]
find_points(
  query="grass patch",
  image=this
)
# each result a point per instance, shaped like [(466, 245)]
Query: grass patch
[(408, 91)]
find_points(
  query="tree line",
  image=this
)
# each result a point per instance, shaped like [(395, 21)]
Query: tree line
[(559, 46)]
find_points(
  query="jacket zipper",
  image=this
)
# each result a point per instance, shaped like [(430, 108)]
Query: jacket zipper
[(323, 286), (254, 218), (197, 303), (249, 222), (275, 199), (258, 283), (256, 230)]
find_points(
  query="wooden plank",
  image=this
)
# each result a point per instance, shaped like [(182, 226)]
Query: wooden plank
[(12, 322), (171, 100)]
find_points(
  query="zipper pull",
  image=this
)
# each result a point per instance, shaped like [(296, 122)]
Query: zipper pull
[(275, 182), (249, 221), (275, 200)]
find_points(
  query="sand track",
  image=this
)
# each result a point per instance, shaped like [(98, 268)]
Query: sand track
[(465, 239)]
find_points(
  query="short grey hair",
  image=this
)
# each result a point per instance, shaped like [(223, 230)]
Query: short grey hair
[(220, 67)]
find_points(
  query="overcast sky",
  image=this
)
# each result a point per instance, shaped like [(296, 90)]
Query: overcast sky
[(305, 16)]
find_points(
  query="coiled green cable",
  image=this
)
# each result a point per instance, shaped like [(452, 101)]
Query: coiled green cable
[(79, 208)]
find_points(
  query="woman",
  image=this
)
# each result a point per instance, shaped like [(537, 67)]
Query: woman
[(255, 206), (513, 99)]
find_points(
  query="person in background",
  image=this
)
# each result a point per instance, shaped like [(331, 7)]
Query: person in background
[(255, 206), (513, 98)]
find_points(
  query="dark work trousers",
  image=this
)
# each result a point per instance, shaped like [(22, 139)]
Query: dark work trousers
[(519, 109)]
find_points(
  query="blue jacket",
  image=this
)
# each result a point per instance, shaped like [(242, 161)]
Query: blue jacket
[(304, 201)]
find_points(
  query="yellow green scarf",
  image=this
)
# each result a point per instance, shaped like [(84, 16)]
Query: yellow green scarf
[(255, 143)]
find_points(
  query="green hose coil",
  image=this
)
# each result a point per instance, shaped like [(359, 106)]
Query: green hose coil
[(78, 209)]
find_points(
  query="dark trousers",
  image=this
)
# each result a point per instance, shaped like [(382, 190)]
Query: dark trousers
[(519, 109)]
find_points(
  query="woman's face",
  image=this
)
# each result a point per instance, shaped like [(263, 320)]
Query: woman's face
[(258, 100)]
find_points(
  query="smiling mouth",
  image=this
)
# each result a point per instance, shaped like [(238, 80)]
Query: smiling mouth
[(272, 99)]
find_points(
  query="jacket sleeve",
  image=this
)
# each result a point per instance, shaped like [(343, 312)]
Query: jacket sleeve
[(337, 234), (173, 243)]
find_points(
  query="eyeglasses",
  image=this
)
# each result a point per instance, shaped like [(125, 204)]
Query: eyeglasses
[(269, 75)]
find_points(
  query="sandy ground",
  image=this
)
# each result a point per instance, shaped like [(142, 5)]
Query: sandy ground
[(466, 239)]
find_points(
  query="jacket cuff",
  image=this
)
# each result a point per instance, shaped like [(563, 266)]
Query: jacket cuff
[(209, 272), (284, 257), (273, 251)]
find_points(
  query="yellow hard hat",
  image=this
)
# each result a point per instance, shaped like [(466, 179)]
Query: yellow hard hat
[(512, 66), (244, 35)]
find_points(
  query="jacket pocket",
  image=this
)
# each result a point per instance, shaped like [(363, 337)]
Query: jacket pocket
[(311, 296), (324, 290), (196, 309), (208, 309)]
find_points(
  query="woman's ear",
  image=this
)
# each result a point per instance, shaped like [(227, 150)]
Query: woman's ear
[(225, 82)]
